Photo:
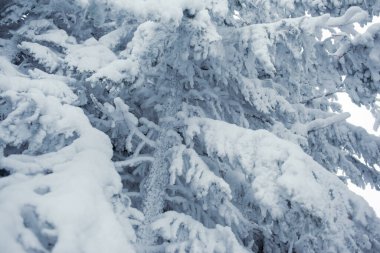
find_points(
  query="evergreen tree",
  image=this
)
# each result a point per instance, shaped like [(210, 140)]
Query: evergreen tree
[(186, 126)]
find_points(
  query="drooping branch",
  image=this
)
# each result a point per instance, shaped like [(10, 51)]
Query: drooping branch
[(133, 161), (322, 123)]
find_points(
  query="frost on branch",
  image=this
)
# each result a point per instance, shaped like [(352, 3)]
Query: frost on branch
[(209, 199), (185, 126), (359, 59), (284, 182), (62, 189), (183, 234)]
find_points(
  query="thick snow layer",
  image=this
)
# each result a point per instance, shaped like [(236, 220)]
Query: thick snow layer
[(60, 201), (89, 56), (117, 71), (281, 175), (43, 55), (55, 36), (369, 40), (45, 32), (165, 10), (13, 81), (227, 187)]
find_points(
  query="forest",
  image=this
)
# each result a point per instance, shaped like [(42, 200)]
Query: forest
[(187, 126)]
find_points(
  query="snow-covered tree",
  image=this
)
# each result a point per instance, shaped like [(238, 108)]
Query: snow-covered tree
[(186, 126)]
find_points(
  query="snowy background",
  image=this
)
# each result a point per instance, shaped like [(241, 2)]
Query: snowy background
[(187, 126), (360, 116)]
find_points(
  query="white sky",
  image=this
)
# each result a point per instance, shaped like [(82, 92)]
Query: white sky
[(360, 116), (363, 29)]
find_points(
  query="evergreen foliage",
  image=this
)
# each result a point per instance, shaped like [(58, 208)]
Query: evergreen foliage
[(186, 126)]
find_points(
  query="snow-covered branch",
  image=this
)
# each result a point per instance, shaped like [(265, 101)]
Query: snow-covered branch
[(133, 161), (322, 123)]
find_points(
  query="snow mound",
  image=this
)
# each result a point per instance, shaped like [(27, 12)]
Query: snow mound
[(62, 201)]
